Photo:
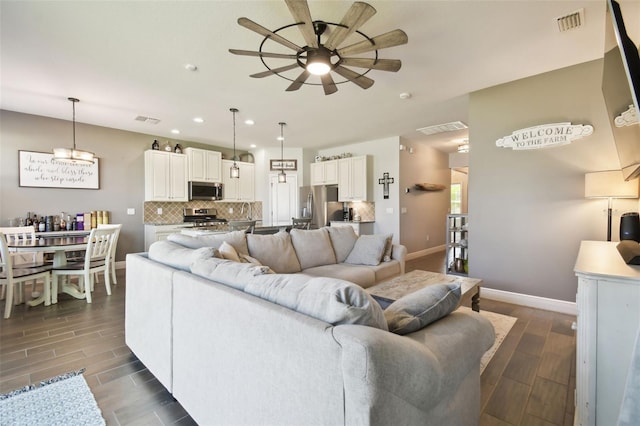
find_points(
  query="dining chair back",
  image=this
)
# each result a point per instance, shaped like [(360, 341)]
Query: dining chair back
[(111, 262), (25, 259), (10, 276), (302, 223), (242, 225), (99, 246)]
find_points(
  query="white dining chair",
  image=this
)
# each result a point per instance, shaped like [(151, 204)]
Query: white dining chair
[(11, 276), (111, 262), (25, 259), (99, 245)]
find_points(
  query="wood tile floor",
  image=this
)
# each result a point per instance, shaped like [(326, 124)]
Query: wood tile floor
[(529, 381)]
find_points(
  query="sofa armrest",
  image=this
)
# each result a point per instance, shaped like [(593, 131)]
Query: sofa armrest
[(390, 374), (399, 253)]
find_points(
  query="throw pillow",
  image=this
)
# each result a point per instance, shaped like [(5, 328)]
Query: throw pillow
[(236, 238), (386, 257), (228, 272), (177, 256), (330, 300), (368, 250), (419, 309), (228, 252), (343, 239), (313, 247), (274, 250)]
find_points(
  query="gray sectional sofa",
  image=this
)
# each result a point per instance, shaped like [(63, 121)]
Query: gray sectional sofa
[(239, 343)]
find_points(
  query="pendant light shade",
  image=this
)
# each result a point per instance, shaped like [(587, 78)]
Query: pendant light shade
[(235, 170), (282, 176), (73, 155)]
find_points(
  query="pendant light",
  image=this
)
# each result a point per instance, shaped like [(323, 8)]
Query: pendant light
[(235, 170), (282, 176), (73, 155)]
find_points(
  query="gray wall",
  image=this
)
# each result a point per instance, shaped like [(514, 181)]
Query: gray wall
[(121, 172), (527, 209)]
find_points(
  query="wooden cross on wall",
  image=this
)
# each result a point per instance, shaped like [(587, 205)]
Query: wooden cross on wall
[(385, 181)]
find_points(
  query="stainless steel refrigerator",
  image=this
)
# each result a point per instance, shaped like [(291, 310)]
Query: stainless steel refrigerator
[(320, 203)]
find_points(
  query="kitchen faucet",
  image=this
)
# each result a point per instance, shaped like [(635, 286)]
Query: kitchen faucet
[(249, 210)]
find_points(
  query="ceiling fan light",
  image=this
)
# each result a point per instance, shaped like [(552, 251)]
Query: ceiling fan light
[(318, 68), (318, 62)]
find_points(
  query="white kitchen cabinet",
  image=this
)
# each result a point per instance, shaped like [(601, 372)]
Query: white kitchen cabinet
[(238, 189), (204, 165), (153, 233), (324, 173), (165, 176), (353, 178), (608, 304)]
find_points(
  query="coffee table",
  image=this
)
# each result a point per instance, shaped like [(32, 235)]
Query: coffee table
[(413, 281)]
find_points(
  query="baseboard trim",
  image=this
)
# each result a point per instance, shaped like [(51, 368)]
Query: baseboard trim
[(537, 302), (425, 252), (121, 264)]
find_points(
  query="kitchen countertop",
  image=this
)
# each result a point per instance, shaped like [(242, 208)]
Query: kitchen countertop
[(354, 221)]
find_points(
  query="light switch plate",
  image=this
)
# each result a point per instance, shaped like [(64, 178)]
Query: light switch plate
[(131, 211)]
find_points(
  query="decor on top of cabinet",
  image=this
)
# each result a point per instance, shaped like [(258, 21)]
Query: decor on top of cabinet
[(177, 149), (167, 147), (385, 181), (155, 145), (429, 187)]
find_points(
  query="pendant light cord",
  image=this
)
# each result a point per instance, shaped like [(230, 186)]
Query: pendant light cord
[(233, 110)]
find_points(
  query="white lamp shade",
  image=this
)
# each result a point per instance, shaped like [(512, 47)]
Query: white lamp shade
[(609, 184)]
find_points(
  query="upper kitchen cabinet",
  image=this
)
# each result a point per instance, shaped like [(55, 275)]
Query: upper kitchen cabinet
[(238, 189), (204, 165), (165, 176), (324, 173), (353, 178)]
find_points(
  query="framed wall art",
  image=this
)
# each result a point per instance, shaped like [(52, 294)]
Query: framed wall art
[(283, 164), (40, 170)]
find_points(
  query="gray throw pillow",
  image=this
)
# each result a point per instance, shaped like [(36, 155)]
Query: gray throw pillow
[(343, 238), (177, 256), (419, 309), (275, 251), (368, 250), (313, 247)]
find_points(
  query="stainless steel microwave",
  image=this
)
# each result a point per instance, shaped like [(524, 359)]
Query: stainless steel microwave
[(205, 191)]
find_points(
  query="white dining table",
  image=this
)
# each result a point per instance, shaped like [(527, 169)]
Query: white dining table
[(59, 246)]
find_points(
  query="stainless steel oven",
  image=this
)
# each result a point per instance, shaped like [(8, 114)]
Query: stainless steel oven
[(205, 191)]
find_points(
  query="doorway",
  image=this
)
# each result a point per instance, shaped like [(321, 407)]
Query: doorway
[(283, 199)]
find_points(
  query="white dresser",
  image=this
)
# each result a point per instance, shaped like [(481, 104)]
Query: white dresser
[(608, 304)]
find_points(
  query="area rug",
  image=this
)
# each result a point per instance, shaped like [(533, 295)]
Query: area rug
[(501, 324), (63, 400)]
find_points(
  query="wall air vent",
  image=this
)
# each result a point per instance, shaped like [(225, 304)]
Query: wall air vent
[(148, 120), (441, 128), (571, 21)]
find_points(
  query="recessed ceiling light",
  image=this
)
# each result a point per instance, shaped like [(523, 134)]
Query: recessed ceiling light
[(280, 138), (198, 120), (405, 95), (175, 131), (190, 67), (253, 145), (249, 122)]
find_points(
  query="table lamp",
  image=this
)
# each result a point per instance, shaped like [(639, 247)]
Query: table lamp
[(609, 184)]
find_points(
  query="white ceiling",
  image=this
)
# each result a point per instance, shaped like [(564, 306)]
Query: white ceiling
[(126, 58)]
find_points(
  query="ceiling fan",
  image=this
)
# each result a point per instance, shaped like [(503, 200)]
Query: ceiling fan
[(321, 56)]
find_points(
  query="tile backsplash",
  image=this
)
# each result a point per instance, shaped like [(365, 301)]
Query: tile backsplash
[(172, 212)]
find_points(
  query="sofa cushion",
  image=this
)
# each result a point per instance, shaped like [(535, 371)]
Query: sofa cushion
[(364, 276), (236, 238), (343, 239), (177, 256), (419, 309), (327, 299), (228, 272), (313, 247), (228, 252), (368, 250), (275, 251)]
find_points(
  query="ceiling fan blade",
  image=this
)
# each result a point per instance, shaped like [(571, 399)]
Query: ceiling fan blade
[(274, 71), (390, 39), (360, 80), (356, 16), (263, 54), (299, 9), (328, 84), (299, 81), (379, 64), (250, 25)]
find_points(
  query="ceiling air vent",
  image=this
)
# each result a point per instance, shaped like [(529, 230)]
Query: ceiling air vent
[(571, 21), (147, 119), (441, 128)]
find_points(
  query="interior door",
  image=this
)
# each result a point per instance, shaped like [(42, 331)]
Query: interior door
[(283, 198)]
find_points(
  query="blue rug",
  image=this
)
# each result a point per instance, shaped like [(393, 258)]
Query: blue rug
[(62, 400)]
